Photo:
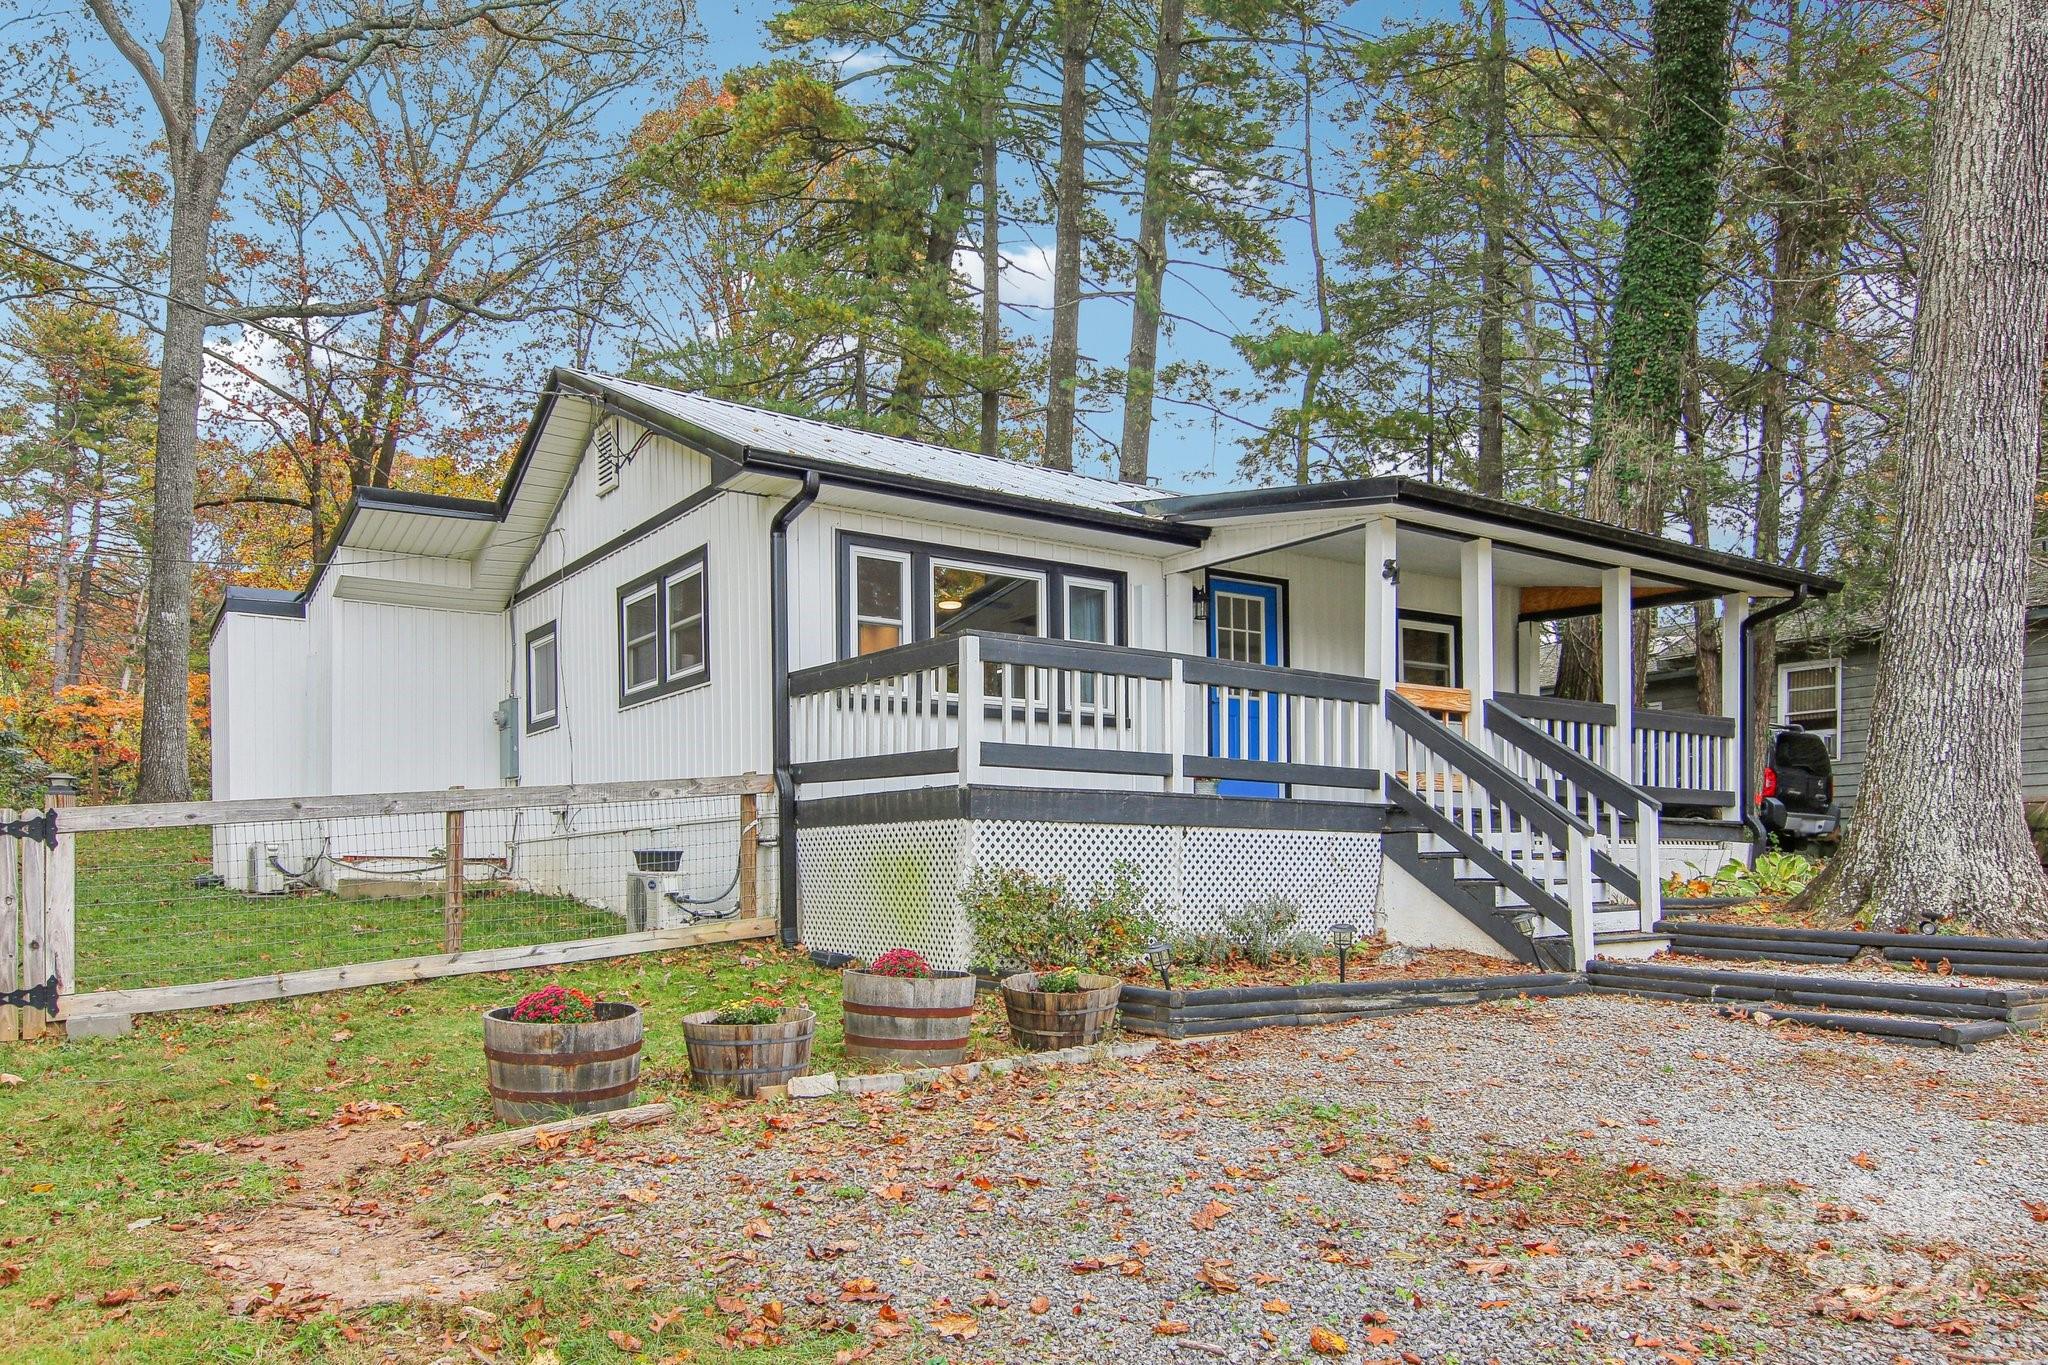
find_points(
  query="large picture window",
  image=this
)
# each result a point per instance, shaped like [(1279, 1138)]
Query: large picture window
[(897, 592), (543, 682), (664, 631), (1810, 696)]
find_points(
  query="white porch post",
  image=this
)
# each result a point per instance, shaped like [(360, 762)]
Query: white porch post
[(1617, 668), (1734, 705), (1475, 582), (1529, 657), (1382, 641)]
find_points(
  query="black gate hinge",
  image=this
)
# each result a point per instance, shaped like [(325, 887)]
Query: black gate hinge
[(43, 997), (41, 828)]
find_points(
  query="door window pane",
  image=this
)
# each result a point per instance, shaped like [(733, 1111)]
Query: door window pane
[(1240, 627)]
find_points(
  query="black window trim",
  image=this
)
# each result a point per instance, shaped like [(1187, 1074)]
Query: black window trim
[(657, 580), (1403, 615), (550, 632), (919, 607)]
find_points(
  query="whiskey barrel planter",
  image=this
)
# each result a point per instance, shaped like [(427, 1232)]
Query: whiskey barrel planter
[(745, 1057), (544, 1071), (1043, 1020), (912, 1020)]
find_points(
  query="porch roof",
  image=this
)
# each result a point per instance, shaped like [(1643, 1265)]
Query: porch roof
[(1457, 513)]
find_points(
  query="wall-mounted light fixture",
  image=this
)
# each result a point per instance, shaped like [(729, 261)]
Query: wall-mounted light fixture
[(1391, 571), (1201, 602)]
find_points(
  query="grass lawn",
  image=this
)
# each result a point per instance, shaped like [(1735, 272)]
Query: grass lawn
[(143, 922), (109, 1168)]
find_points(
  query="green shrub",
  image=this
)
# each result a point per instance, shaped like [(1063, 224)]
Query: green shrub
[(1022, 920), (1200, 948), (1268, 931), (1777, 875), (1065, 981), (747, 1014)]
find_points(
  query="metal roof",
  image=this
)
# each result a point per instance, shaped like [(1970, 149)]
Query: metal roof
[(766, 431)]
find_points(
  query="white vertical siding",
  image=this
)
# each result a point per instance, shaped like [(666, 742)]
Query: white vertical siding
[(413, 691), (257, 669), (719, 727)]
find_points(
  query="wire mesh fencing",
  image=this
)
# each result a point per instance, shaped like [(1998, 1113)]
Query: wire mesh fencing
[(256, 889)]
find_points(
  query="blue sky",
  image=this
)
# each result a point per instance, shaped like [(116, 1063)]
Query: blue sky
[(1191, 449)]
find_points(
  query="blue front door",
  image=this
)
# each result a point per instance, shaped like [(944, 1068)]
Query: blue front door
[(1244, 627)]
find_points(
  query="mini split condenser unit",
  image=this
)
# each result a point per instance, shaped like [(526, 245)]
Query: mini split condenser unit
[(265, 879)]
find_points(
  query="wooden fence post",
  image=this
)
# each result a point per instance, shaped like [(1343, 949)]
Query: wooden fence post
[(451, 887), (35, 961), (750, 856), (60, 880), (10, 927)]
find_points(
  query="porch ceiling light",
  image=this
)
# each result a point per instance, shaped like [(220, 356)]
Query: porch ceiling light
[(950, 604)]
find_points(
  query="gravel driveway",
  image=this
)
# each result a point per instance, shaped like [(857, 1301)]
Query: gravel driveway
[(1588, 1179)]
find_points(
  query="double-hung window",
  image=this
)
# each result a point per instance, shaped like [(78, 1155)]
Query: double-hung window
[(1810, 696), (880, 605), (543, 683), (664, 631), (1090, 617)]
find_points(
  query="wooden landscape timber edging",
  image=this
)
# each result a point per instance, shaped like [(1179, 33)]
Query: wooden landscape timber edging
[(313, 981), (1966, 955), (1235, 1009), (634, 1117), (1951, 1016)]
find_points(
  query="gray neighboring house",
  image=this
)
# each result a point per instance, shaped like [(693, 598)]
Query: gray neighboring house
[(1827, 673)]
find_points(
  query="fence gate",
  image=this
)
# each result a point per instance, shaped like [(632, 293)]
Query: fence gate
[(36, 942), (136, 909)]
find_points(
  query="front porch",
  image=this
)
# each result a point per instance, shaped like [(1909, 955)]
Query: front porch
[(1370, 676)]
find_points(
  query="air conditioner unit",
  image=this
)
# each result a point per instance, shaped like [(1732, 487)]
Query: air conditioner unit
[(647, 901), (264, 877)]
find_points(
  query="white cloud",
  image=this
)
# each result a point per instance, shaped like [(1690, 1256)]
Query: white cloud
[(1027, 274)]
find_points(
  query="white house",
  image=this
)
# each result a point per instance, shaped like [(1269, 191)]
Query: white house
[(1320, 692)]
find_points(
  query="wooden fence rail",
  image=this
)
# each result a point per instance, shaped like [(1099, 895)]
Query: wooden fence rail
[(39, 898)]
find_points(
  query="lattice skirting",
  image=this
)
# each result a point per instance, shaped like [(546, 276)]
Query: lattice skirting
[(868, 888)]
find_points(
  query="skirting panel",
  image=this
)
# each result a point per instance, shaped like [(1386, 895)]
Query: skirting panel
[(867, 888)]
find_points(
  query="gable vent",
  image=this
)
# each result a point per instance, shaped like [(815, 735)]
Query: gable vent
[(605, 448)]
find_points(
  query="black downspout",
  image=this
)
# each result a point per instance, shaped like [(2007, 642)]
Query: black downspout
[(1744, 740), (785, 785)]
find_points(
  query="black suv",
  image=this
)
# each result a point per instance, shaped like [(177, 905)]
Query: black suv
[(1797, 799)]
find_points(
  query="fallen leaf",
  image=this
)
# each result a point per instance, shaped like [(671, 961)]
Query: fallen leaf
[(625, 1341), (1278, 1307), (1865, 1160), (956, 1326), (1168, 1328), (1325, 1342), (1206, 1217)]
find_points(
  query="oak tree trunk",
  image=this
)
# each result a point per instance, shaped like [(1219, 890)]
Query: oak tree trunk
[(1939, 831), (1674, 188)]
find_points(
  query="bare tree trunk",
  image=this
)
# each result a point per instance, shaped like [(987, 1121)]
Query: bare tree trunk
[(61, 630), (1063, 356), (991, 230), (1939, 831), (88, 563), (1312, 377), (164, 772), (1141, 370), (1490, 474)]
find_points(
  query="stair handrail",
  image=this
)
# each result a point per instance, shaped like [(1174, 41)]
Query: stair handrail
[(1641, 883), (1519, 798), (1567, 760), (1448, 744)]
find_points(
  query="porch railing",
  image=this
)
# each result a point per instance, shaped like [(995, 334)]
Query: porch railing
[(1495, 820), (1620, 814), (975, 704), (1677, 757)]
